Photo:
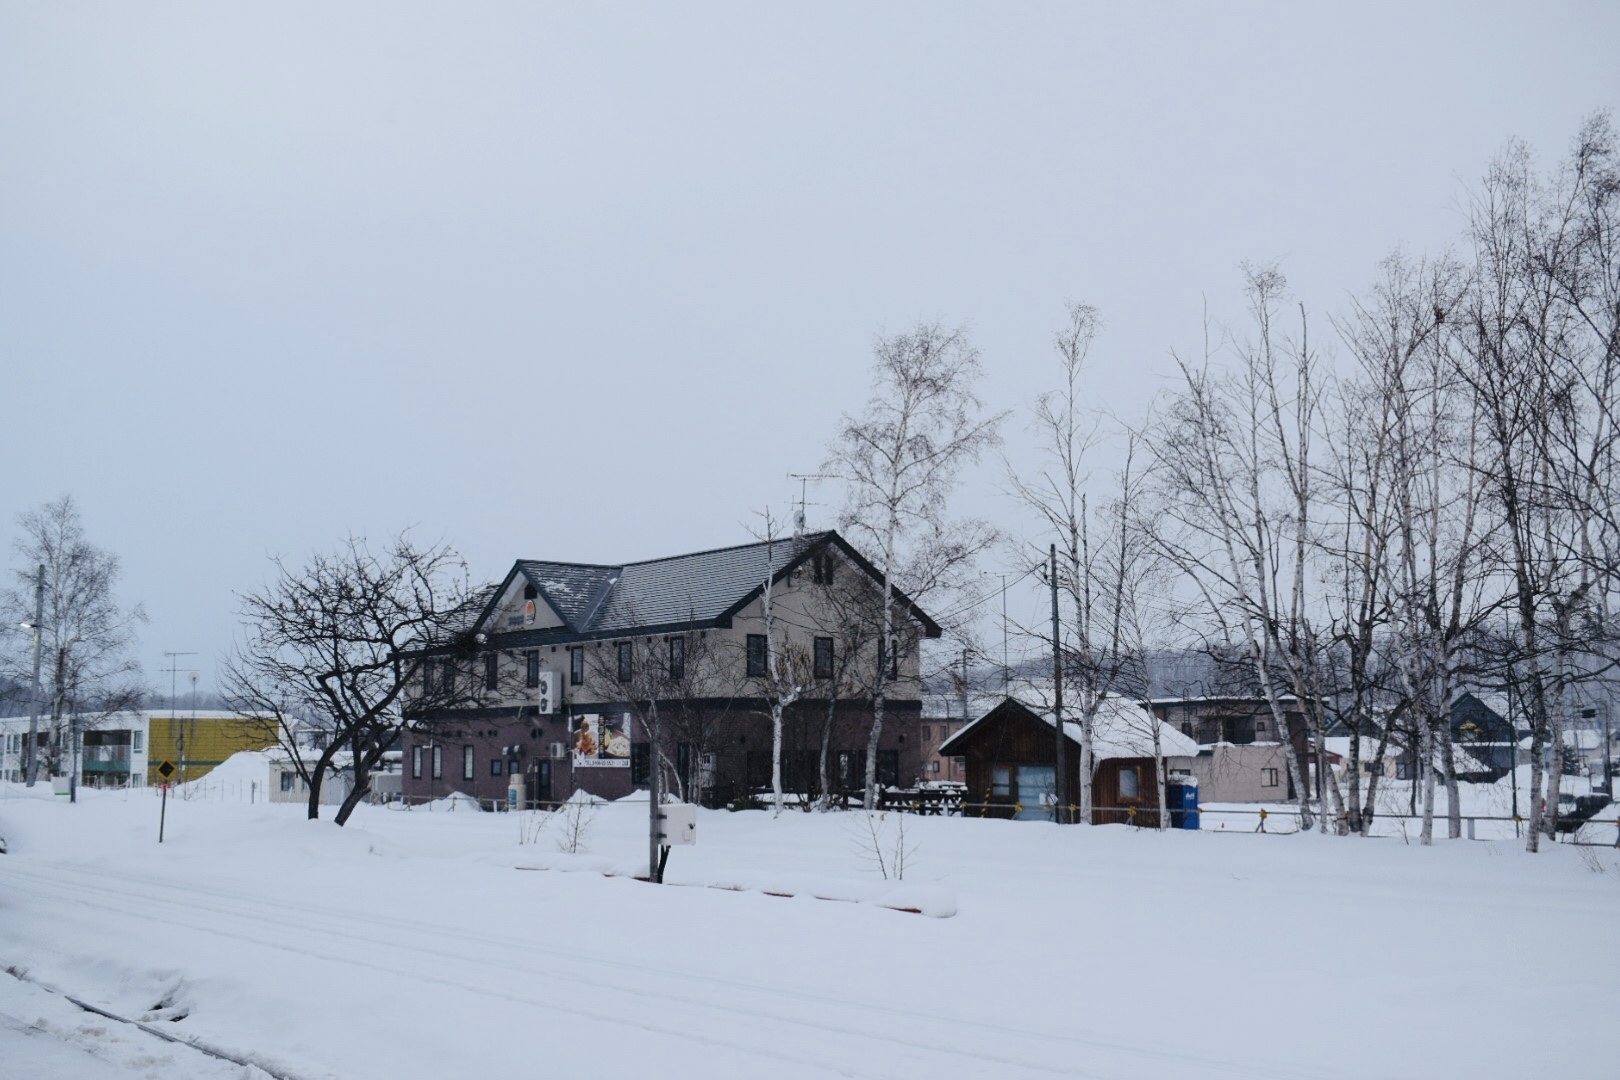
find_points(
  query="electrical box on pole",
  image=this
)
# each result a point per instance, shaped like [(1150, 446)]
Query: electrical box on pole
[(680, 824)]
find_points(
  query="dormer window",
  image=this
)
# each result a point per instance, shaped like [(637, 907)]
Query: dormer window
[(530, 592)]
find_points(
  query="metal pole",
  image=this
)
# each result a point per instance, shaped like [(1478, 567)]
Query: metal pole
[(73, 777), (163, 813), (1513, 747), (655, 811), (964, 684), (1057, 700), (1006, 671), (56, 698), (1608, 764), (33, 702)]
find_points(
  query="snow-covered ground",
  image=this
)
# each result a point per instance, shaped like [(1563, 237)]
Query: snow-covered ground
[(415, 945)]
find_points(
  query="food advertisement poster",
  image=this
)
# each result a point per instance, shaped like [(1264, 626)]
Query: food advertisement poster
[(601, 740)]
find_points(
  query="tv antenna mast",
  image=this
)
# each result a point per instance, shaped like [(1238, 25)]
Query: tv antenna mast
[(804, 495)]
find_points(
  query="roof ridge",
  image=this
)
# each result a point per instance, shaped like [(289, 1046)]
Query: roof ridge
[(580, 565), (729, 547)]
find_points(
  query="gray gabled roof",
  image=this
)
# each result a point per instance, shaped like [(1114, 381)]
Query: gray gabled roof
[(705, 587), (699, 587)]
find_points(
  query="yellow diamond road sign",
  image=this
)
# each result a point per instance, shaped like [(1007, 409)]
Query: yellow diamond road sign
[(166, 769)]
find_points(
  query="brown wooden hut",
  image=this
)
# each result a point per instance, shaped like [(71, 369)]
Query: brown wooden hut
[(1010, 754)]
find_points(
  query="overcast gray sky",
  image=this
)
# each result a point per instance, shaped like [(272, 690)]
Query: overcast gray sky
[(588, 282)]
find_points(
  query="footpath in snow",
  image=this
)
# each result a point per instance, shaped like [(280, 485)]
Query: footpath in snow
[(449, 942)]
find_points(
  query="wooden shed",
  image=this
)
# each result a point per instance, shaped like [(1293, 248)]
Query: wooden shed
[(1010, 757)]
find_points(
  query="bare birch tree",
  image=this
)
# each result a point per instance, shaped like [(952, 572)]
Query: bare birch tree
[(86, 633), (1234, 458), (900, 460)]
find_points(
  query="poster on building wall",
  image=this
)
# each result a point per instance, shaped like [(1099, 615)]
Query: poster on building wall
[(601, 740)]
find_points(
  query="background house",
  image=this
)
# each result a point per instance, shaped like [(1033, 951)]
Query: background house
[(124, 749), (577, 661)]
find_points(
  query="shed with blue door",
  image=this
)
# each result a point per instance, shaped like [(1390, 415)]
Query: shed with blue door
[(1010, 758)]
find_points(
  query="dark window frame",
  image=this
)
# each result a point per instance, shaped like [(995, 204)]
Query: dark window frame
[(677, 658), (824, 657), (416, 762), (496, 768), (531, 673), (468, 762), (758, 656), (627, 661), (576, 665), (492, 671)]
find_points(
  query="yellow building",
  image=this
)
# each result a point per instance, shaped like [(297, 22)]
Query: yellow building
[(197, 741)]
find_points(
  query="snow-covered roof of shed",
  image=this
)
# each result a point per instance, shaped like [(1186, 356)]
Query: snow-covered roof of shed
[(1122, 728)]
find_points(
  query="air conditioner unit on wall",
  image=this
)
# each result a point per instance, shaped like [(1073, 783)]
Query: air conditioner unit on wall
[(547, 693)]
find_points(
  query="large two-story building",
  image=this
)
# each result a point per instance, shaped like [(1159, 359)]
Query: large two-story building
[(577, 662)]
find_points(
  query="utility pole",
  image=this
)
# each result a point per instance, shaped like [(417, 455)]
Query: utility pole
[(33, 702), (175, 726), (1006, 670), (57, 696), (964, 684), (1058, 774)]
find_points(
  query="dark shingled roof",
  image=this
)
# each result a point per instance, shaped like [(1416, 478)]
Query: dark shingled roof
[(703, 587), (699, 587)]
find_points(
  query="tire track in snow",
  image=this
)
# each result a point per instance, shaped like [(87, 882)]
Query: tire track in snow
[(73, 894), (298, 916)]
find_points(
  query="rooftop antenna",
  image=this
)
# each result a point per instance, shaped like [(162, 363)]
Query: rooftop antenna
[(804, 494)]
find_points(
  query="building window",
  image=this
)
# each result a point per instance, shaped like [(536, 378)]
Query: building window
[(640, 762), (137, 740), (288, 780), (447, 677), (756, 656), (626, 660), (933, 767), (530, 592), (492, 671), (438, 762), (890, 657), (495, 766), (1130, 783), (416, 763), (888, 768), (576, 666), (677, 658), (466, 763), (928, 733), (824, 658), (1268, 777), (1001, 781), (531, 671), (512, 766)]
